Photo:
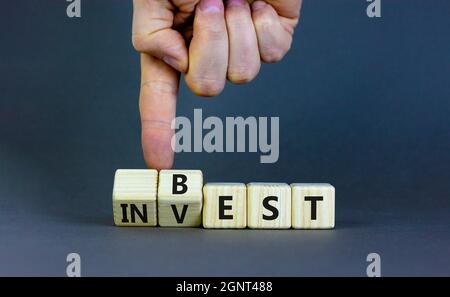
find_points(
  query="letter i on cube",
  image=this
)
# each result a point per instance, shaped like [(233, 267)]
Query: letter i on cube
[(134, 197)]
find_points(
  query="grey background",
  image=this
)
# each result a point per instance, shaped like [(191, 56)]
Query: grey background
[(363, 104)]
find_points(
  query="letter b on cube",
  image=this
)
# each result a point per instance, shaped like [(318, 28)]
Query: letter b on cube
[(180, 198)]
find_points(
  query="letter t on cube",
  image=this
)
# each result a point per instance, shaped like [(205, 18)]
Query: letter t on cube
[(180, 198), (313, 206)]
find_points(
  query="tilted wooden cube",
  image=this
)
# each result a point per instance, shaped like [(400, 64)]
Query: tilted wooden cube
[(269, 205), (180, 198), (313, 206), (225, 205), (134, 197)]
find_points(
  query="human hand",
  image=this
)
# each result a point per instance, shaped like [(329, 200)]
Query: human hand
[(207, 42)]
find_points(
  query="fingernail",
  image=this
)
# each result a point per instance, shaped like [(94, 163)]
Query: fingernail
[(171, 62), (211, 5), (236, 2), (258, 5)]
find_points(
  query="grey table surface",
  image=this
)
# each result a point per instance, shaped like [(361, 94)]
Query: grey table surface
[(363, 104)]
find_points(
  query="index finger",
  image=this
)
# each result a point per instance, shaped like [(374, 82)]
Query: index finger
[(157, 104)]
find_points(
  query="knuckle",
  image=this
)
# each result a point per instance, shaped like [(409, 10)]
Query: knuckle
[(214, 33), (211, 30), (205, 87), (238, 25), (155, 124), (272, 54), (138, 43), (236, 18), (266, 24), (241, 74), (159, 87)]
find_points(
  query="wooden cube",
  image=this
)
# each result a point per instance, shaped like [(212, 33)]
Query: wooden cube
[(134, 197), (269, 205), (180, 198), (225, 205), (313, 206)]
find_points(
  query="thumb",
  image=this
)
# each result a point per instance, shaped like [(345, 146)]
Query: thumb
[(153, 33), (157, 104)]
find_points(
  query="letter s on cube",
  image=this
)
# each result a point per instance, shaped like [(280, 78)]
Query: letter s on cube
[(269, 205)]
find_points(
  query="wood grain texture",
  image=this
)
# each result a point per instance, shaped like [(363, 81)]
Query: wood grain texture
[(134, 197), (234, 200), (257, 193), (303, 214), (182, 207)]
